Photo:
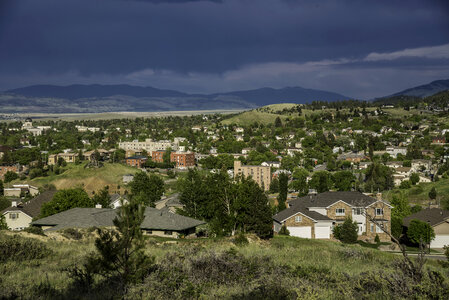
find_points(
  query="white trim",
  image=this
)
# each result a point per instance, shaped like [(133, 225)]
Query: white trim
[(380, 201), (301, 214), (14, 211), (339, 201)]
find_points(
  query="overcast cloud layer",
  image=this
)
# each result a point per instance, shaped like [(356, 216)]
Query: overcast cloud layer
[(357, 48)]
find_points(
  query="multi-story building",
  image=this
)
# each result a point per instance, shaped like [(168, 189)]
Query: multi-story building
[(149, 145), (183, 160), (158, 156), (314, 216), (260, 174), (136, 161), (67, 157), (14, 168)]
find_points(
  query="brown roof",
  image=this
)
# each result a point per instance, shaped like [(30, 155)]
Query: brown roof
[(33, 207), (434, 216)]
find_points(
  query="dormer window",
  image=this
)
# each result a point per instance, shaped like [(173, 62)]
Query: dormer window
[(340, 212)]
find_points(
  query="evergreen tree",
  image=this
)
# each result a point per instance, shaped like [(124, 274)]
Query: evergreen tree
[(433, 193), (102, 197), (121, 253), (2, 188), (3, 225), (346, 232), (278, 122), (147, 189), (283, 190)]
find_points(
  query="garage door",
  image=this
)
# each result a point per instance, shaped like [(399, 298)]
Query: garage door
[(304, 231), (322, 232), (439, 241)]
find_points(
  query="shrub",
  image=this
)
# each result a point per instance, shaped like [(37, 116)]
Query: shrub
[(17, 248), (446, 251), (377, 239), (420, 232), (72, 233), (346, 232), (284, 230), (241, 240), (34, 230)]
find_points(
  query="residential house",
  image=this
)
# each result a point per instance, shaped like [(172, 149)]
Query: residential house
[(12, 168), (394, 164), (421, 164), (394, 151), (170, 203), (439, 140), (273, 164), (314, 216), (438, 219), (260, 174), (127, 178), (247, 150), (20, 214), (67, 157), (291, 151), (352, 157), (136, 161), (117, 200), (18, 189), (156, 222)]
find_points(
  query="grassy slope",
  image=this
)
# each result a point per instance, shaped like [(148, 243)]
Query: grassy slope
[(91, 179), (313, 256), (420, 195)]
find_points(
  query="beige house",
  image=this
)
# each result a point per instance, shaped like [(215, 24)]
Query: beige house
[(260, 174), (20, 214), (438, 219), (314, 216), (67, 157), (17, 189)]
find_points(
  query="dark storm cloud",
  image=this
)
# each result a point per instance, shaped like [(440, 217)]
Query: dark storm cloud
[(192, 44)]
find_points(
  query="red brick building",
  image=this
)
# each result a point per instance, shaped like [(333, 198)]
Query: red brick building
[(5, 169), (183, 159), (158, 156), (136, 161)]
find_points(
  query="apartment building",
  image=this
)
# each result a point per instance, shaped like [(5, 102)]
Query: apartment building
[(183, 160), (149, 145), (260, 174)]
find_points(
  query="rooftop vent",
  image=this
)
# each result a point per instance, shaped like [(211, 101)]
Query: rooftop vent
[(14, 203)]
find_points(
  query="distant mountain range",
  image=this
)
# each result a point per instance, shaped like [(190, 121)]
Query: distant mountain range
[(425, 90), (104, 98), (109, 98)]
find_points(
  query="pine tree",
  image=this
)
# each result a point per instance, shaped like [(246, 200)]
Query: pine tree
[(121, 253), (283, 190)]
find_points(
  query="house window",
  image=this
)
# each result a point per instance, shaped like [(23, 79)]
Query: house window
[(13, 216), (298, 219), (168, 232), (358, 211), (371, 227), (379, 212), (340, 212)]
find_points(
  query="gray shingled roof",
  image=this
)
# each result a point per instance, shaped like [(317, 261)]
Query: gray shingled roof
[(102, 217), (287, 213), (328, 198), (433, 215), (32, 207), (323, 200)]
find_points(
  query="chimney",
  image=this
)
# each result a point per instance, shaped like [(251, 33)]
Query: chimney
[(98, 206), (379, 196), (14, 204)]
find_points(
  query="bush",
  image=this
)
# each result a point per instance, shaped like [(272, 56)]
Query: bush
[(17, 248), (241, 240), (377, 239), (72, 234), (284, 230), (420, 232), (347, 232), (446, 251), (34, 230)]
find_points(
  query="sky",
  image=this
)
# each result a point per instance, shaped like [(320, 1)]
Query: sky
[(358, 48)]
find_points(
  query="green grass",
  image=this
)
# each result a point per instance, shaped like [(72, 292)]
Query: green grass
[(250, 117), (419, 194), (91, 179), (206, 268)]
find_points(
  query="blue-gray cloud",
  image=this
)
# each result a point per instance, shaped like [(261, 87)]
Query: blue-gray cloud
[(199, 40)]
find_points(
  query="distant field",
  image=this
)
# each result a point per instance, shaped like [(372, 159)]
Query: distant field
[(122, 115), (91, 179)]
